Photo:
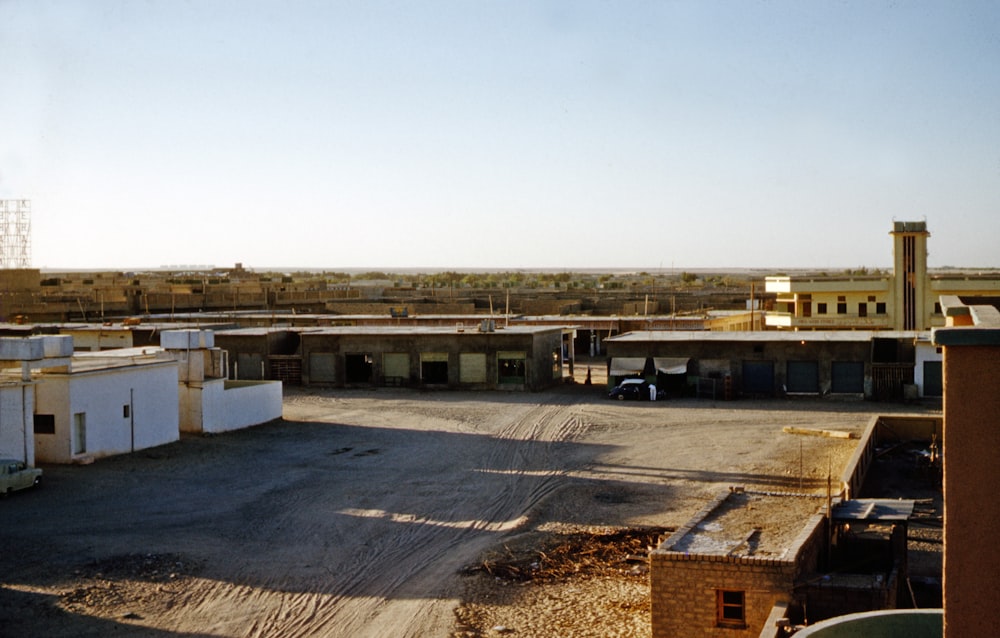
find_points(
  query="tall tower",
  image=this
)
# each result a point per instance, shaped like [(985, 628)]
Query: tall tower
[(15, 233), (909, 260)]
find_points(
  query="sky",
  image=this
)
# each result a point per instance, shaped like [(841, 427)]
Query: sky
[(471, 134)]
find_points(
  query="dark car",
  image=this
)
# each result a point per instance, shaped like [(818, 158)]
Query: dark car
[(635, 389)]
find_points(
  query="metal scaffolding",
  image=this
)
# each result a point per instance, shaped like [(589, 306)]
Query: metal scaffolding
[(15, 233)]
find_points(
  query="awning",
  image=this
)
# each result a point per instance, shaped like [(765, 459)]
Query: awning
[(671, 365), (622, 366)]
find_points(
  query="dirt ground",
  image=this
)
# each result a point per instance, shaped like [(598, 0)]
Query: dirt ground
[(398, 513)]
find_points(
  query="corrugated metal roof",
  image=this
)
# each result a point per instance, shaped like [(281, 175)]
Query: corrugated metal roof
[(873, 509)]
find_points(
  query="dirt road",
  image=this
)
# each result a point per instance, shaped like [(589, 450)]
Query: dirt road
[(354, 515)]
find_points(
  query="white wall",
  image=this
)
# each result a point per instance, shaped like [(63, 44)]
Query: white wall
[(149, 390), (218, 405), (17, 422)]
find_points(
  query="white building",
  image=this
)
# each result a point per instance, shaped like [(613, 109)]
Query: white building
[(110, 403), (209, 401), (57, 406), (18, 357)]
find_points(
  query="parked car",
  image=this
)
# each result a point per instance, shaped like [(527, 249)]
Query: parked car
[(15, 475), (635, 389)]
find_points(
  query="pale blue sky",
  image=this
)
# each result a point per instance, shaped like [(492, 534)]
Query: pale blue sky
[(471, 134)]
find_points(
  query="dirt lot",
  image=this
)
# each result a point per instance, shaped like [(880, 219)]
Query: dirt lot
[(373, 513)]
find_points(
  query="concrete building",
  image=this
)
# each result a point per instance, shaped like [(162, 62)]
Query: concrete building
[(19, 357), (208, 400), (488, 357), (875, 365), (971, 347), (905, 299), (102, 404)]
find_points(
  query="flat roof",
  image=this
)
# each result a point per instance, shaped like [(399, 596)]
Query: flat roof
[(747, 523), (407, 330), (810, 336)]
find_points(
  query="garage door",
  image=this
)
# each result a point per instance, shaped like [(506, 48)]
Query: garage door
[(847, 377), (249, 366), (472, 367), (758, 377), (322, 366), (395, 367), (803, 376)]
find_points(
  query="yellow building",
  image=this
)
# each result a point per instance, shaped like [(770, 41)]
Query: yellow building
[(906, 299)]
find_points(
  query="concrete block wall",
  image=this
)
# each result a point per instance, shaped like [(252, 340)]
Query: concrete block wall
[(683, 592)]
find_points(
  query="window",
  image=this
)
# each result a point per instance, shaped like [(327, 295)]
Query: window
[(821, 308), (45, 424), (841, 308), (126, 411), (880, 308), (730, 608), (863, 309), (871, 298), (937, 307)]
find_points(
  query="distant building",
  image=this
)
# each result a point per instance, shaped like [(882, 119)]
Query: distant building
[(487, 357), (882, 365), (906, 299)]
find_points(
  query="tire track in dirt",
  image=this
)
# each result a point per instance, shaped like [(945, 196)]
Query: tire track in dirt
[(381, 586)]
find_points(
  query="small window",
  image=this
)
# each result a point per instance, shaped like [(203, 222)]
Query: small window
[(821, 308), (126, 411), (880, 308), (871, 298), (937, 307), (841, 308), (863, 309), (45, 424), (730, 608), (841, 298)]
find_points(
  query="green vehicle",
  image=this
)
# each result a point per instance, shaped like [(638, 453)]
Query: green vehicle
[(15, 475)]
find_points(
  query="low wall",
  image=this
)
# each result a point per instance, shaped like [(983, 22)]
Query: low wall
[(881, 430), (219, 405)]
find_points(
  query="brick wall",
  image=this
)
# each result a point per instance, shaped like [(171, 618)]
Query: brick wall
[(683, 592), (683, 586)]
